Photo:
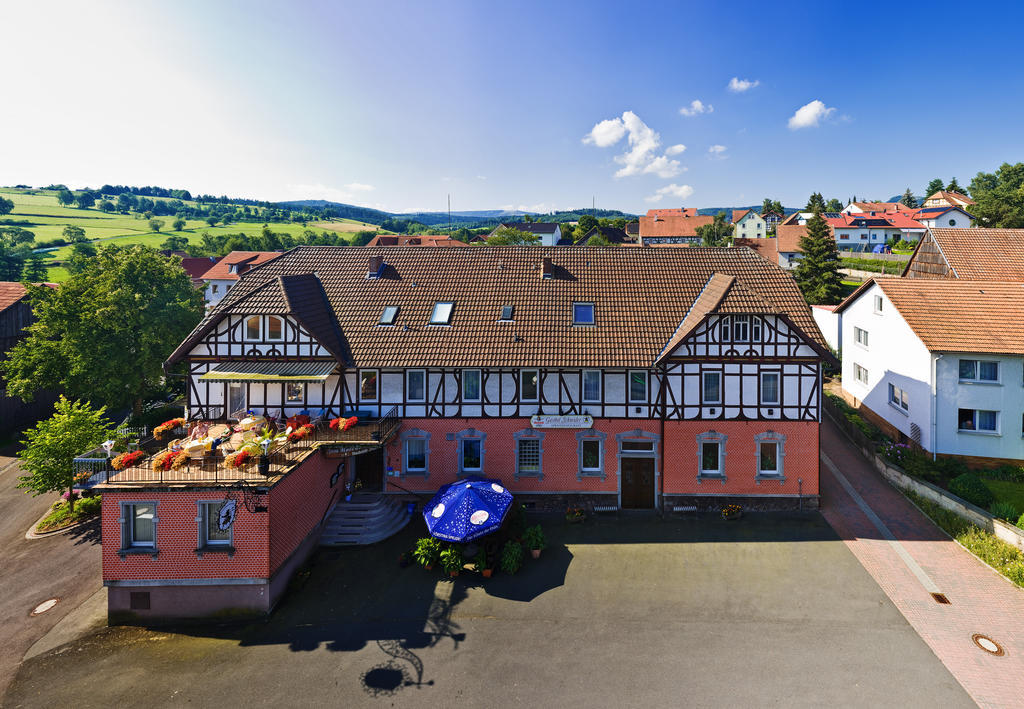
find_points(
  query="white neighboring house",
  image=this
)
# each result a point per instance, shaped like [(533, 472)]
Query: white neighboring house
[(944, 217), (748, 224), (941, 361), (549, 232), (226, 272), (943, 198), (787, 240), (829, 323)]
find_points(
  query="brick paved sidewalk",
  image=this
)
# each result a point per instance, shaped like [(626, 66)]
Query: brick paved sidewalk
[(980, 600)]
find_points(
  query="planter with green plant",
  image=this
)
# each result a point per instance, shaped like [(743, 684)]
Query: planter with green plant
[(511, 557), (481, 565), (452, 560), (427, 552), (534, 539)]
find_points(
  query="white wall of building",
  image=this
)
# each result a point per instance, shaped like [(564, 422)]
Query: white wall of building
[(1005, 396), (952, 218), (752, 226), (829, 324), (215, 290)]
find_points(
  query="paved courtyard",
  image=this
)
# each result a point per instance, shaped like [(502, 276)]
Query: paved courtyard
[(773, 609)]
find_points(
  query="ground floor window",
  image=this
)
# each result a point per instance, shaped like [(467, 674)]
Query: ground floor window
[(416, 455), (711, 454), (770, 454), (978, 420), (216, 523), (471, 451), (138, 525), (590, 450), (528, 457), (898, 397)]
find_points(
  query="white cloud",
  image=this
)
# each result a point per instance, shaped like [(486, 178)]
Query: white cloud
[(679, 191), (675, 149), (481, 177), (738, 85), (696, 108), (606, 133), (359, 187), (717, 152), (810, 115)]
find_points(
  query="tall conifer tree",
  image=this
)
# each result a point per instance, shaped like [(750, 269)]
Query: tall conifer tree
[(817, 274)]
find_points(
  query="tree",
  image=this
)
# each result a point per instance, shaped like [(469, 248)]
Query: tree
[(909, 199), (599, 239), (35, 269), (954, 186), (73, 234), (212, 219), (227, 218), (507, 236), (999, 197), (584, 224), (934, 186), (816, 203), (65, 198), (174, 243), (6, 205), (833, 205), (178, 224), (141, 306), (362, 238), (85, 199), (817, 274), (17, 235), (51, 446), (156, 224), (716, 233), (107, 206)]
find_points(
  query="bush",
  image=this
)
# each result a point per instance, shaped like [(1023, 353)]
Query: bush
[(1004, 511), (951, 468), (969, 486), (1010, 473), (511, 557), (1020, 521), (534, 537)]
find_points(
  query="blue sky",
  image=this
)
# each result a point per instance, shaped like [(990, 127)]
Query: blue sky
[(529, 105)]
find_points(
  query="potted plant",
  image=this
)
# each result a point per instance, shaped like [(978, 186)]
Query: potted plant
[(452, 561), (167, 427), (511, 557), (575, 515), (480, 562), (427, 552), (732, 512), (534, 539)]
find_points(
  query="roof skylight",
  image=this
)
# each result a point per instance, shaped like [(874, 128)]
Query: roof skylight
[(389, 315), (442, 313)]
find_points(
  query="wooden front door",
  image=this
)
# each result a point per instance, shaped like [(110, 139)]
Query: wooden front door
[(637, 483)]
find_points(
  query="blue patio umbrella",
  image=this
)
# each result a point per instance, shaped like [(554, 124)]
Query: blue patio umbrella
[(467, 509)]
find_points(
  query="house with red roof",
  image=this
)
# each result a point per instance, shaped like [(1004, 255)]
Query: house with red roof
[(222, 275), (944, 198), (671, 226), (748, 224)]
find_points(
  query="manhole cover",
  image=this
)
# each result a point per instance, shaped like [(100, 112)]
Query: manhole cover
[(987, 644), (44, 606)]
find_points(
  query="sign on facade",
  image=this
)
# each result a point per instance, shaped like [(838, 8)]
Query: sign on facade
[(544, 421)]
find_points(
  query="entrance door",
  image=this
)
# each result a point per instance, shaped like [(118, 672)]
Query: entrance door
[(637, 483), (370, 470), (236, 398)]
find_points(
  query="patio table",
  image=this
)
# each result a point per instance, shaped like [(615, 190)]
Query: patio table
[(251, 422)]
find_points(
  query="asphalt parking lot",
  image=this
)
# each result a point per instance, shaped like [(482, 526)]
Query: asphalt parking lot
[(768, 610)]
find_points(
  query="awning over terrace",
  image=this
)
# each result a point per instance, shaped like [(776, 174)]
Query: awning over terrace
[(271, 371)]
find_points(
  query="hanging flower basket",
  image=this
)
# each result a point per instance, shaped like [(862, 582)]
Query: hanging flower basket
[(127, 460), (164, 460), (166, 427), (300, 433), (238, 459)]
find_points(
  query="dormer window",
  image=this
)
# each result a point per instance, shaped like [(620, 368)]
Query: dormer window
[(389, 315), (582, 313), (233, 268), (442, 314), (252, 327), (275, 328), (506, 314)]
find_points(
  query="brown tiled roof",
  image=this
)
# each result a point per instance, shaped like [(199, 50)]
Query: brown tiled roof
[(245, 260), (952, 198), (958, 315), (765, 248), (641, 295), (197, 266), (976, 254), (10, 293), (612, 234), (738, 214), (633, 228), (787, 237), (672, 225), (415, 240)]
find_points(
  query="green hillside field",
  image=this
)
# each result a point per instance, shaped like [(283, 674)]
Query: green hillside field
[(39, 212)]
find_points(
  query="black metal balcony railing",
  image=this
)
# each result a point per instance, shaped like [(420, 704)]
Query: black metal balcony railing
[(93, 468)]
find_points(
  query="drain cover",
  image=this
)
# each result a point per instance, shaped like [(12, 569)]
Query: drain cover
[(987, 644), (44, 606)]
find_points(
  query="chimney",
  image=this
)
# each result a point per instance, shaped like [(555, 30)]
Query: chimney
[(376, 267), (546, 269)]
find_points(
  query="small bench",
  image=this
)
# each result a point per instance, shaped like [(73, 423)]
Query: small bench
[(606, 508)]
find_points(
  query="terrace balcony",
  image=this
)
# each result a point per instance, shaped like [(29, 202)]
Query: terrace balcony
[(208, 465)]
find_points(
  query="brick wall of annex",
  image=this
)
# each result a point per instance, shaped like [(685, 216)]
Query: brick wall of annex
[(177, 537), (298, 503), (560, 456)]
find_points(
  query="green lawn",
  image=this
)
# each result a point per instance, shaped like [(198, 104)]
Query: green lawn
[(39, 212), (1007, 491)]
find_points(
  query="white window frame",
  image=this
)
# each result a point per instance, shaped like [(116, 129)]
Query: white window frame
[(629, 386), (976, 430), (778, 388), (976, 379), (878, 304), (857, 369), (522, 386), (407, 468), (582, 438), (259, 327), (202, 512), (711, 437), (779, 441), (376, 380), (756, 329), (860, 336), (127, 520), (479, 438), (583, 386), (704, 387), (384, 321), (898, 398), (266, 326), (479, 385), (438, 309), (741, 322), (408, 388)]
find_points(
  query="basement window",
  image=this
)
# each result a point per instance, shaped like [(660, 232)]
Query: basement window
[(442, 314)]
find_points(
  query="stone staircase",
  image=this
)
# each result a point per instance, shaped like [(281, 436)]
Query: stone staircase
[(365, 519)]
